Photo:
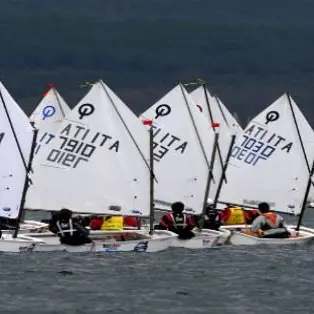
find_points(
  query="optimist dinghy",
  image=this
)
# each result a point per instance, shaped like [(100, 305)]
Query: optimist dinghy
[(183, 145), (17, 142), (98, 163), (49, 113), (272, 162), (241, 235)]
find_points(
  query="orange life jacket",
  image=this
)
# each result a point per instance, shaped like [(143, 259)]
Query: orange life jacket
[(272, 217)]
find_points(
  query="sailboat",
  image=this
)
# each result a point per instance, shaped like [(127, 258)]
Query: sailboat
[(214, 110), (271, 162), (98, 163), (51, 109), (47, 117), (223, 123), (183, 146), (17, 142)]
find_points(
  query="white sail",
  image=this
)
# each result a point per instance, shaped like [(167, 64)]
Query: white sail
[(209, 106), (52, 108), (47, 118), (215, 111), (93, 165), (268, 163), (229, 118), (13, 170), (48, 115), (212, 110), (183, 143)]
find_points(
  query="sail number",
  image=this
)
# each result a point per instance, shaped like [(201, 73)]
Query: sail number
[(78, 144), (71, 152), (251, 151), (164, 142)]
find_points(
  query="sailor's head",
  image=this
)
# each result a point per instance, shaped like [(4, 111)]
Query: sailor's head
[(263, 207), (177, 207), (65, 214), (209, 204)]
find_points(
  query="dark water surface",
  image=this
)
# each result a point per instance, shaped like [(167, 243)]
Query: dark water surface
[(225, 280)]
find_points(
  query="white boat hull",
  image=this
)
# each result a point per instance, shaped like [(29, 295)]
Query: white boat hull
[(103, 241), (203, 240), (305, 236), (22, 243)]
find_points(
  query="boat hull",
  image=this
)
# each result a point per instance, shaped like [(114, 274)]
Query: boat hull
[(108, 241), (21, 244), (305, 236), (203, 240)]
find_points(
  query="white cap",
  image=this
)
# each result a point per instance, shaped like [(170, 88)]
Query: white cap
[(209, 201)]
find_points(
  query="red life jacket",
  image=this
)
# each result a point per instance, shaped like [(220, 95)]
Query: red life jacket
[(168, 221), (130, 221), (96, 223)]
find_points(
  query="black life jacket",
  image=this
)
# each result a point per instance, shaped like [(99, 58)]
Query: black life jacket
[(65, 228), (212, 220), (179, 221)]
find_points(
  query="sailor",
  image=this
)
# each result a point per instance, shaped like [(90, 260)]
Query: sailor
[(269, 224), (96, 222), (68, 229), (250, 215), (178, 222), (112, 223), (131, 222), (234, 215), (211, 217)]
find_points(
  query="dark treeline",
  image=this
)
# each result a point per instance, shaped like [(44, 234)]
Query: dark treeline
[(249, 53)]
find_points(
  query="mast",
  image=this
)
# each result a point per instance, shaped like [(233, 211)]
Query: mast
[(151, 194), (212, 121), (209, 179), (194, 126), (221, 111), (13, 130), (224, 169), (307, 191), (298, 132), (27, 181)]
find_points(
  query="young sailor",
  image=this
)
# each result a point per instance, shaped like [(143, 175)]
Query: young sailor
[(178, 222), (233, 215), (131, 222), (211, 217), (69, 229), (269, 224), (112, 223), (96, 222)]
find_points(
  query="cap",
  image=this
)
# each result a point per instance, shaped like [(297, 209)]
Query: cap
[(209, 201)]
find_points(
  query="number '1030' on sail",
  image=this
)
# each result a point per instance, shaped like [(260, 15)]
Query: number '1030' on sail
[(271, 159)]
